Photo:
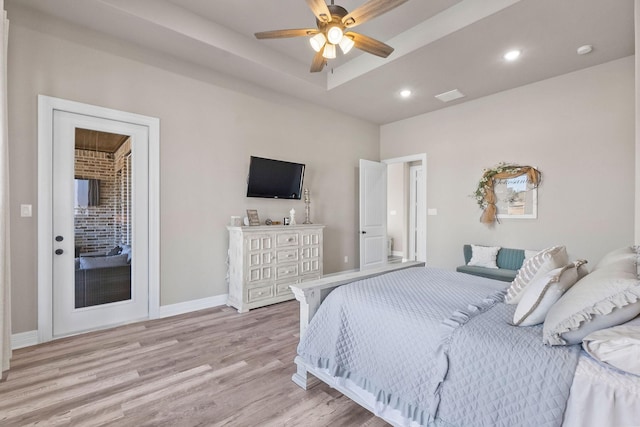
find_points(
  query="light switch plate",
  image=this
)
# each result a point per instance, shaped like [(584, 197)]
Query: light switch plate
[(25, 211), (432, 211)]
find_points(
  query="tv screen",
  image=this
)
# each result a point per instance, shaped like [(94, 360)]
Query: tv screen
[(274, 179)]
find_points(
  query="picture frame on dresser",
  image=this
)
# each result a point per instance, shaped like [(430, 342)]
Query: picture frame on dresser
[(254, 219)]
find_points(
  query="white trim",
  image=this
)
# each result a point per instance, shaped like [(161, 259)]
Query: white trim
[(397, 253), (29, 338), (193, 305), (24, 339), (46, 106), (422, 157)]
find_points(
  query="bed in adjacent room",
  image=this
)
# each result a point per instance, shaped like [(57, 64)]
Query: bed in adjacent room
[(430, 347)]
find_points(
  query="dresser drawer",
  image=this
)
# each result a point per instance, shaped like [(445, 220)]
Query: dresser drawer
[(283, 288), (287, 239), (287, 255), (257, 294), (286, 271)]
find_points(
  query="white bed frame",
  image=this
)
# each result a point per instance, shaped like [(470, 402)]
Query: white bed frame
[(311, 294)]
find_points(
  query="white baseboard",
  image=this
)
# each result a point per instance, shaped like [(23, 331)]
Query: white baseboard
[(397, 253), (29, 338), (194, 305), (24, 339)]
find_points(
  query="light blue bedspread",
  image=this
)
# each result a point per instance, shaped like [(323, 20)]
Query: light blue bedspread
[(437, 345)]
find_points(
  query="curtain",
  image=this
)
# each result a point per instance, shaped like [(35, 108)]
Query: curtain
[(5, 264), (94, 192)]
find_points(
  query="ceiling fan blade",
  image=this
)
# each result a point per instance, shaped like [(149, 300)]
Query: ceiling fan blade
[(370, 10), (318, 62), (281, 34), (370, 45), (320, 9)]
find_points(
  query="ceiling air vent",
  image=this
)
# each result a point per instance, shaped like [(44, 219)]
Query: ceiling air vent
[(450, 96)]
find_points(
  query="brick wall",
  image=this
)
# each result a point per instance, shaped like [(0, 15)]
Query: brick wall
[(100, 228)]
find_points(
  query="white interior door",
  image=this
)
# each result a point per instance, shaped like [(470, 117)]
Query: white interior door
[(373, 214), (70, 316)]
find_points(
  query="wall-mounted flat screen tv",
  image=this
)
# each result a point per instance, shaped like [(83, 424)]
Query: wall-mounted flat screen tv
[(274, 179)]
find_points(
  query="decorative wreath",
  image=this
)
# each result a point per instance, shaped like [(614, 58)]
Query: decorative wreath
[(485, 195)]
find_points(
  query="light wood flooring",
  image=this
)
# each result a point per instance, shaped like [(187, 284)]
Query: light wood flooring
[(209, 368)]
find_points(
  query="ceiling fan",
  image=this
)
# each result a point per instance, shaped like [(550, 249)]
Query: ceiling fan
[(333, 23)]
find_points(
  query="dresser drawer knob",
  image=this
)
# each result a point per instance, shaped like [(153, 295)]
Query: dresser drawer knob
[(290, 239)]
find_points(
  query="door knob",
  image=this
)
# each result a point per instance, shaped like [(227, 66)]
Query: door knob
[(59, 251), (59, 238), (364, 232)]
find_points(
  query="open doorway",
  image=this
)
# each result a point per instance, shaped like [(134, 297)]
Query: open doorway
[(406, 208), (375, 242)]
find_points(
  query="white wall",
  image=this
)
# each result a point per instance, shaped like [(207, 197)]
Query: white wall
[(578, 129), (208, 133)]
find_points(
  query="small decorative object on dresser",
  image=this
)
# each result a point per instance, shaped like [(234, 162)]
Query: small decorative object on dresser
[(292, 217), (264, 261), (307, 202), (252, 214)]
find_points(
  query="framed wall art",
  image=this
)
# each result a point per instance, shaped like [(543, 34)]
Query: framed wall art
[(515, 198), (508, 191)]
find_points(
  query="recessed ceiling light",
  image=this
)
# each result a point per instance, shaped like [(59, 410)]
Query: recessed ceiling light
[(512, 55), (405, 93), (583, 50)]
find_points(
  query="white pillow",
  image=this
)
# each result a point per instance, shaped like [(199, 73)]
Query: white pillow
[(618, 346), (543, 262), (625, 257), (543, 292), (484, 256), (606, 297)]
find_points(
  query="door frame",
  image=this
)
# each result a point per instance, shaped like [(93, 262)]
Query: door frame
[(46, 107), (414, 210), (422, 157)]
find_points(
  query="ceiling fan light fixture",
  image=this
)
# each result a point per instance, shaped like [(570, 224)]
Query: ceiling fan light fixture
[(317, 42), (329, 51), (346, 44), (334, 34)]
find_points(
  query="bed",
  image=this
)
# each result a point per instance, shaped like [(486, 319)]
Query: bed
[(421, 346)]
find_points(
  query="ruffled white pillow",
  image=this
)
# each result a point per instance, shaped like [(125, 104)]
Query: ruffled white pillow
[(606, 297), (484, 256), (543, 291), (543, 262)]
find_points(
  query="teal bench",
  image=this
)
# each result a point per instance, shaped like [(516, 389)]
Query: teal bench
[(509, 262)]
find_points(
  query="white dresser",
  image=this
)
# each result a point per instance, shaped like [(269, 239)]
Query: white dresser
[(265, 260)]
